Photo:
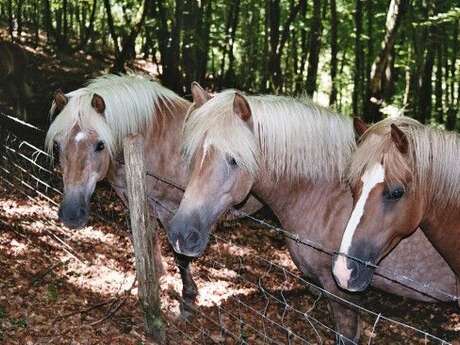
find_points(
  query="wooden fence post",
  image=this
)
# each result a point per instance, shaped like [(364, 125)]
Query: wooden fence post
[(143, 229)]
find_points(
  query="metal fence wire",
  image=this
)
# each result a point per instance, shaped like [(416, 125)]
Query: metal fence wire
[(295, 312)]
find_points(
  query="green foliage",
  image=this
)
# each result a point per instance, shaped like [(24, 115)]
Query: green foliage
[(236, 43)]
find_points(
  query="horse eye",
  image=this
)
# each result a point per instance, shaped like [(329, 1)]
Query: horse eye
[(395, 194), (232, 162), (100, 146)]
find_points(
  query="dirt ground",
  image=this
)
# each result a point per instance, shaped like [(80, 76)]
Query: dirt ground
[(59, 286)]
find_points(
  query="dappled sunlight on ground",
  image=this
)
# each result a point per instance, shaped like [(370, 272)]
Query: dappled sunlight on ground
[(59, 283)]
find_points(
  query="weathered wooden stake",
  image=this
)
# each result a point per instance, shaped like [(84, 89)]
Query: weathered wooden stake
[(143, 228)]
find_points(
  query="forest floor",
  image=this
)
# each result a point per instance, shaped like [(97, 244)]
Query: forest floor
[(60, 286)]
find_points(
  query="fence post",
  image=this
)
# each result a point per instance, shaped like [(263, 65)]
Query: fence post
[(143, 229)]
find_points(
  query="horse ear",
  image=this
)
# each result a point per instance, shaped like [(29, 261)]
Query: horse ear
[(241, 107), (60, 100), (399, 138), (360, 126), (98, 103), (200, 95)]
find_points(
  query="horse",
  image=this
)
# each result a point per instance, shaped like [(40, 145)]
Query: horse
[(87, 134), (292, 155), (13, 66), (404, 175)]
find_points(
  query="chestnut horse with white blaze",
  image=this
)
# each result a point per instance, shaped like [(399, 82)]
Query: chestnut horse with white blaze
[(292, 155), (13, 68), (403, 176), (88, 132)]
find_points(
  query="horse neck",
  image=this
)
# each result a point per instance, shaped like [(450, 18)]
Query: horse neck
[(442, 228), (306, 207)]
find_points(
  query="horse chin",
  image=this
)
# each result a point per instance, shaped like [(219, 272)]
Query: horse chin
[(74, 218), (75, 224)]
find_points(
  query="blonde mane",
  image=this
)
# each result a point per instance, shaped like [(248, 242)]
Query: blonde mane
[(131, 104), (432, 159), (291, 137)]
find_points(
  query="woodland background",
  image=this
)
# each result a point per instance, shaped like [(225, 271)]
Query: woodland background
[(363, 57)]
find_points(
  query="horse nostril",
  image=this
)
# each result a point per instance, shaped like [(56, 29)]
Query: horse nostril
[(82, 212), (193, 236), (60, 213)]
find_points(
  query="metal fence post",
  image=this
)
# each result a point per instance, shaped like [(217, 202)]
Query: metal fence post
[(143, 229)]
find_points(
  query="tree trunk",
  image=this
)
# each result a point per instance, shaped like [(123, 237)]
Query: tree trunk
[(90, 29), (453, 107), (128, 44), (370, 54), (192, 16), (202, 49), (314, 48), (303, 45), (439, 75), (359, 62), (10, 20), (334, 52), (229, 75), (277, 42), (112, 31), (171, 47), (20, 4), (48, 22), (36, 20), (65, 25), (426, 88), (382, 62)]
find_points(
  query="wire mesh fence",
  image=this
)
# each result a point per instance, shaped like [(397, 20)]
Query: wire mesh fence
[(273, 303)]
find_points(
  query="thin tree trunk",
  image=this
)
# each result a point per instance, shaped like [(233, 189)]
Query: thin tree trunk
[(171, 46), (314, 48), (426, 82), (65, 24), (230, 74), (36, 20), (453, 107), (203, 48), (48, 22), (303, 45), (20, 4), (426, 88), (90, 29), (359, 62), (369, 57), (278, 41), (293, 12), (439, 76), (334, 52), (128, 49), (382, 62), (10, 20), (112, 31)]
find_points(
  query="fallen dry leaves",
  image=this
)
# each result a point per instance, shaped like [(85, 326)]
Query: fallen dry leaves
[(51, 293)]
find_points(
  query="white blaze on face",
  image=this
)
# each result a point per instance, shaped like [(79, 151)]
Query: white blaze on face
[(370, 179), (80, 136)]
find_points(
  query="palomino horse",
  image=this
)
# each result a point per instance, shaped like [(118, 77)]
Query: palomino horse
[(403, 175), (13, 64), (88, 132), (292, 155)]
